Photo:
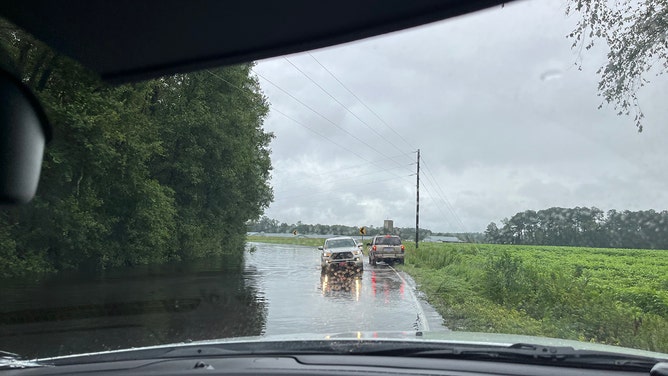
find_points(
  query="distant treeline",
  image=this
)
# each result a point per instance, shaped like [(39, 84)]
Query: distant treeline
[(269, 225), (167, 169), (582, 226)]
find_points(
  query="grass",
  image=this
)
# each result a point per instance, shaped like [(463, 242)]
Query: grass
[(612, 296)]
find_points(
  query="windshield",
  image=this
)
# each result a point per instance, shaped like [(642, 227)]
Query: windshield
[(340, 243), (519, 153)]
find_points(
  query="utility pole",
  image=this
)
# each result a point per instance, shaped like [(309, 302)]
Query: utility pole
[(417, 202)]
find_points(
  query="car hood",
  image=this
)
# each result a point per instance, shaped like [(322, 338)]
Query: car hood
[(449, 337)]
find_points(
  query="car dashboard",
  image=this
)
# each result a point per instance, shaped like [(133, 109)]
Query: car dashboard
[(316, 365)]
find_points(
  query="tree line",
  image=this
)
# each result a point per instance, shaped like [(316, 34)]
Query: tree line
[(269, 225), (166, 169), (583, 226)]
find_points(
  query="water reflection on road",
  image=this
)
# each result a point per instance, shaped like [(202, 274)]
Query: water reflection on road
[(300, 299), (129, 307)]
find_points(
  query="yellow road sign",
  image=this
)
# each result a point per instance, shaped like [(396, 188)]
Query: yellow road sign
[(363, 230), (294, 232)]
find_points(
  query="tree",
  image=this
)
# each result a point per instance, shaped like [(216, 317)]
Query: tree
[(637, 33), (585, 227), (264, 224), (216, 155), (492, 233)]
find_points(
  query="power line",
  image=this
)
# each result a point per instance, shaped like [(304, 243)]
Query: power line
[(341, 104), (321, 115), (362, 102), (273, 108), (355, 168), (441, 200), (282, 202), (438, 205), (334, 190), (441, 194), (356, 165), (348, 177)]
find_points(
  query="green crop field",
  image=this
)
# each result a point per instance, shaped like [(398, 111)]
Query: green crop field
[(614, 296)]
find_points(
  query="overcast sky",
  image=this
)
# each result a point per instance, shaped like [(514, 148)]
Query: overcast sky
[(504, 120)]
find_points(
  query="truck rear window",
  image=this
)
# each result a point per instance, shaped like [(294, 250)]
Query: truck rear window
[(389, 241)]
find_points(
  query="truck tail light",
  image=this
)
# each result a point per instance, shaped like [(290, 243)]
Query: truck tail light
[(374, 247), (402, 248)]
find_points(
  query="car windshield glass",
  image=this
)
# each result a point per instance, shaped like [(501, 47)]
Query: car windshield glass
[(340, 243), (503, 171)]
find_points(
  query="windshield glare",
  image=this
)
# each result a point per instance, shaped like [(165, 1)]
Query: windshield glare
[(513, 159)]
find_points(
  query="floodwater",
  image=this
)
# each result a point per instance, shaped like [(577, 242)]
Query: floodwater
[(279, 290)]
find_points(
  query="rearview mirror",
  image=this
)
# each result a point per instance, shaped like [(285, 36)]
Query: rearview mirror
[(24, 132)]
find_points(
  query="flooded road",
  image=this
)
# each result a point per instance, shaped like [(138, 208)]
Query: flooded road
[(279, 290), (300, 299)]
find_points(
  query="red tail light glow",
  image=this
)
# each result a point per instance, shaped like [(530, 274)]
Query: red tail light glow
[(402, 248), (374, 247)]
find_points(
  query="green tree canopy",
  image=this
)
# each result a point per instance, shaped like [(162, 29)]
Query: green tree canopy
[(582, 226)]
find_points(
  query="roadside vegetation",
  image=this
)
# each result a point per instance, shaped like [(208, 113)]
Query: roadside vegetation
[(612, 296)]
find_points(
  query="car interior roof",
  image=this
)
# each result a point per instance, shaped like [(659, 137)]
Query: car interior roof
[(131, 40)]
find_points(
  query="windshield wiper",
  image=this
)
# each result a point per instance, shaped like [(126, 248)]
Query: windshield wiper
[(10, 360), (523, 352)]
